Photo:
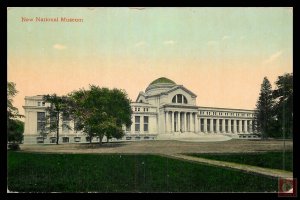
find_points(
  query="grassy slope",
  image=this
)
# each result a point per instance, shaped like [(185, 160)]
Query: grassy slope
[(272, 160), (124, 173)]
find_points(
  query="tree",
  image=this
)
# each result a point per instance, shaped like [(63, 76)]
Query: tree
[(15, 127), (59, 105), (263, 112), (283, 108), (15, 131), (12, 112), (101, 111)]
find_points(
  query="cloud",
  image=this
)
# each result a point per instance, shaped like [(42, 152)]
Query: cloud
[(169, 42), (59, 46), (212, 42), (272, 57), (226, 37), (140, 44)]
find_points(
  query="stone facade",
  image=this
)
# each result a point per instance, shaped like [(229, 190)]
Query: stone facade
[(164, 108)]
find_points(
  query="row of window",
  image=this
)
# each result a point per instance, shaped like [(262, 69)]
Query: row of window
[(179, 98), (138, 109), (249, 128), (41, 103), (226, 113), (41, 122), (137, 124)]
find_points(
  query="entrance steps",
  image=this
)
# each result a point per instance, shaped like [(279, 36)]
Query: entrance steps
[(193, 137)]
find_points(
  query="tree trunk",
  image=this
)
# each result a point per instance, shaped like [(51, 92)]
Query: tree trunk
[(100, 140)]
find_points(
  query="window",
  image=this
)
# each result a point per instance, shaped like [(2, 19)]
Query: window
[(39, 103), (52, 139), (77, 139), (43, 103), (65, 123), (174, 99), (41, 121), (138, 109), (135, 109), (146, 121), (65, 139), (184, 100), (202, 125), (137, 123), (179, 98), (128, 128)]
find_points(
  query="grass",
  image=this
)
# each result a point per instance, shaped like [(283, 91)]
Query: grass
[(272, 160), (37, 172)]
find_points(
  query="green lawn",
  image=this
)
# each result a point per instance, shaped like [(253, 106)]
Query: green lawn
[(272, 160), (125, 173)]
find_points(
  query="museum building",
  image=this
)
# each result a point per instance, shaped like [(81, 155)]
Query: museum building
[(165, 108)]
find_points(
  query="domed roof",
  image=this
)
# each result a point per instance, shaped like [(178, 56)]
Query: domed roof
[(162, 80)]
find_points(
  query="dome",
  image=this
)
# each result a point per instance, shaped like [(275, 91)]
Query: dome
[(162, 80), (159, 85)]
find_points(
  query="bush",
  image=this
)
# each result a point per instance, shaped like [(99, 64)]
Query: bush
[(14, 147)]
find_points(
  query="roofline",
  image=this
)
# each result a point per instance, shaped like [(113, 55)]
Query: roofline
[(225, 108)]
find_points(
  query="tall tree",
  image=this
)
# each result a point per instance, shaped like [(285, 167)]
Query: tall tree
[(15, 127), (59, 106), (12, 112), (101, 111), (263, 112), (283, 107)]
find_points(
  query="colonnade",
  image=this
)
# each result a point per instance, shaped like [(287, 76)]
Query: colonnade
[(185, 121), (179, 121)]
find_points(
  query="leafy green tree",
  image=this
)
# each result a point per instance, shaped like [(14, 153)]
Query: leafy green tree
[(264, 109), (12, 112), (283, 107), (15, 127), (15, 131), (101, 111), (59, 105)]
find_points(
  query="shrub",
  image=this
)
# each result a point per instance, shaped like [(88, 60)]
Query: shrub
[(14, 147)]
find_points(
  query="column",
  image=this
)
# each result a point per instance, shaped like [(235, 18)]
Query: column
[(184, 118), (211, 125), (223, 126), (234, 126), (132, 125), (250, 126), (167, 122), (172, 121), (229, 125), (196, 123), (246, 126), (217, 126), (240, 126), (178, 121), (142, 124), (205, 125), (191, 122)]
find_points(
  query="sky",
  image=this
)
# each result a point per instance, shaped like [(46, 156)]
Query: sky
[(220, 54)]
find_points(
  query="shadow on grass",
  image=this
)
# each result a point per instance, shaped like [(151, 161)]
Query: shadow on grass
[(100, 146)]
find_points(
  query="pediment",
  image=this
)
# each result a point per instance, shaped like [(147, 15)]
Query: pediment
[(181, 87)]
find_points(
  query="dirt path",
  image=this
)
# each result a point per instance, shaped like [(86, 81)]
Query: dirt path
[(242, 167)]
